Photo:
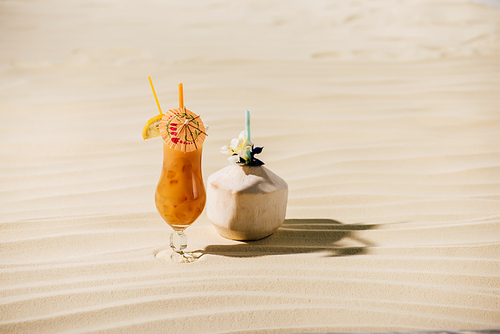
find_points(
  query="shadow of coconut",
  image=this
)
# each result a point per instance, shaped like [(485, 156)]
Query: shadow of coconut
[(326, 236)]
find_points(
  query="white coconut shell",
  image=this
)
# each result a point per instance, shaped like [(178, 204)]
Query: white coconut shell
[(246, 202)]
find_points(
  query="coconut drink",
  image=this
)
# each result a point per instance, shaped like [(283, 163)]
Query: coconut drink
[(245, 200)]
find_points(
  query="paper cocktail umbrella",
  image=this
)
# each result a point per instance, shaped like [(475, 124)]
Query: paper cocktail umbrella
[(181, 128)]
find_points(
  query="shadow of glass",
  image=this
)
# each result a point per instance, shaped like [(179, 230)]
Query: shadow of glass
[(298, 236)]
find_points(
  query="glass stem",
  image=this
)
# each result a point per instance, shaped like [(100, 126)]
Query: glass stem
[(182, 242)]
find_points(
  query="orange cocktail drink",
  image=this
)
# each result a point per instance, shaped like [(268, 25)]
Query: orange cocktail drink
[(180, 195)]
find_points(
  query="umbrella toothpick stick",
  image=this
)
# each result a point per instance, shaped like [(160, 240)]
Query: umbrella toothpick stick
[(183, 128), (154, 93), (192, 137)]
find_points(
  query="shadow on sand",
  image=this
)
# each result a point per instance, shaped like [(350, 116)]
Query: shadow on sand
[(295, 236)]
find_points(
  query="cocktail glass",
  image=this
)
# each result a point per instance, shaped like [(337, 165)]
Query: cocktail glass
[(180, 196)]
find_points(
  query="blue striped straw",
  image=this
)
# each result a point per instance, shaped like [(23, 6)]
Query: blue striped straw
[(247, 128)]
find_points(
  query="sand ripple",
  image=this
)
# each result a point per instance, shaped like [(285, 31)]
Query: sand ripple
[(389, 142)]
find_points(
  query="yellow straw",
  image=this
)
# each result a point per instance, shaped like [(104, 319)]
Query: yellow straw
[(181, 97), (154, 93)]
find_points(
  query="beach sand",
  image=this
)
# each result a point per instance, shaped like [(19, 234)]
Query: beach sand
[(382, 116)]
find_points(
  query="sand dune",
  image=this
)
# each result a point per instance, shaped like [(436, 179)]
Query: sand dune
[(383, 117)]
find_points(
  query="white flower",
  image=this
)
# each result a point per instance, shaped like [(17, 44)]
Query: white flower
[(240, 146), (233, 160), (225, 149)]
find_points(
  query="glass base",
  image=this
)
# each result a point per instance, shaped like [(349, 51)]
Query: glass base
[(184, 257), (178, 255)]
